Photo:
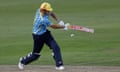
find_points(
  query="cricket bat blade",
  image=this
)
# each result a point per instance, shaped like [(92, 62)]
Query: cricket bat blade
[(81, 28)]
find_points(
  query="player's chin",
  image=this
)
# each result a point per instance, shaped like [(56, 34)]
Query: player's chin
[(48, 13)]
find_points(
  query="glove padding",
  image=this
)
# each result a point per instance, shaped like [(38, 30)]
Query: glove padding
[(66, 26), (61, 23)]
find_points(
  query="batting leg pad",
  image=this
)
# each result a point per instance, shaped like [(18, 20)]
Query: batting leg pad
[(30, 58)]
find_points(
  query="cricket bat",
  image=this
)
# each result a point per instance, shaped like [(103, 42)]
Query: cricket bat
[(81, 28)]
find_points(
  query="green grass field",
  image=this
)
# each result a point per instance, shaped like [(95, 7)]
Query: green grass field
[(100, 49)]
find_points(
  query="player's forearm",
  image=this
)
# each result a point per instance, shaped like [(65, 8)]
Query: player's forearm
[(56, 26), (54, 16)]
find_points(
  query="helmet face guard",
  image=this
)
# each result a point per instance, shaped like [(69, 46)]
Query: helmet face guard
[(45, 12)]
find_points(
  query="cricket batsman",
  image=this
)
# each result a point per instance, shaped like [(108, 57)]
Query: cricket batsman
[(41, 35)]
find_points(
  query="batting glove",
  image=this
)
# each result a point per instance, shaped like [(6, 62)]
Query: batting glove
[(66, 26), (61, 23)]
